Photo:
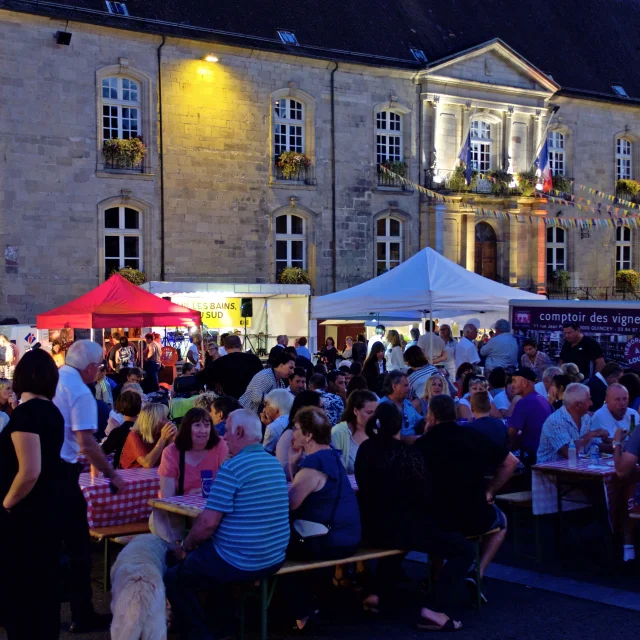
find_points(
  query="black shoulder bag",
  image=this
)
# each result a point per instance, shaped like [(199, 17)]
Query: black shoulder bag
[(181, 476)]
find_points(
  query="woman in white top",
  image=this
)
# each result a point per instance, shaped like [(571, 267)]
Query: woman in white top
[(394, 352), (474, 384), (450, 350)]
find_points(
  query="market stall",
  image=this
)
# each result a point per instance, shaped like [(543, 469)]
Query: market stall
[(257, 312), (117, 303), (615, 325), (427, 283)]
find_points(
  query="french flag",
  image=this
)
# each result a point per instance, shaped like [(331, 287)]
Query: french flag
[(544, 165)]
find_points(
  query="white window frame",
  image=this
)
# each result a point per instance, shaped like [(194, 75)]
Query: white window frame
[(387, 240), (289, 238), (624, 248), (481, 146), (554, 244), (556, 147), (121, 232), (290, 124), (389, 136), (120, 104), (624, 159)]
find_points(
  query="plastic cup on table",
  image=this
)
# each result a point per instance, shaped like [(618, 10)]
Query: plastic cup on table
[(206, 479)]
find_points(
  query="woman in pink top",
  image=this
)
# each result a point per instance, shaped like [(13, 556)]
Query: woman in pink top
[(203, 450)]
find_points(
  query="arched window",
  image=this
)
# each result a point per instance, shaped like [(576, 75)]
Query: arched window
[(623, 248), (555, 143), (481, 145), (123, 239), (624, 150), (556, 250), (291, 242), (388, 137), (120, 108), (288, 129), (388, 244)]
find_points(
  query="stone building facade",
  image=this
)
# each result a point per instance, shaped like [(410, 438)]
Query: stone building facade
[(209, 202)]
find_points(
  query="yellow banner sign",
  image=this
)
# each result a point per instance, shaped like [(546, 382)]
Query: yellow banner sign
[(217, 313)]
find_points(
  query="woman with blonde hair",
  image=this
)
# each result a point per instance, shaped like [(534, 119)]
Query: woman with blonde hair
[(146, 441), (435, 386), (8, 400), (394, 356)]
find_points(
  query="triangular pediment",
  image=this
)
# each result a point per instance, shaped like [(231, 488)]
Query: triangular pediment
[(493, 63)]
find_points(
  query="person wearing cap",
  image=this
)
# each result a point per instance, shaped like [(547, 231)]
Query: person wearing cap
[(528, 416)]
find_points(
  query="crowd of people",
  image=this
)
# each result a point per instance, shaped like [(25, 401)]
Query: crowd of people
[(420, 425)]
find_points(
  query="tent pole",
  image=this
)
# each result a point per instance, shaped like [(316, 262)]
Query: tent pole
[(431, 337), (202, 352)]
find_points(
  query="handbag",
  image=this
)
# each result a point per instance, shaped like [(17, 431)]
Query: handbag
[(180, 491), (309, 529)]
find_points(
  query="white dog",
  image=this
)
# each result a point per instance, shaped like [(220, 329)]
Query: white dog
[(137, 594)]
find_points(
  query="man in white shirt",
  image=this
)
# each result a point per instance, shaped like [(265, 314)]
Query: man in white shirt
[(80, 412), (377, 337), (432, 345), (615, 413), (548, 374), (193, 354), (466, 349)]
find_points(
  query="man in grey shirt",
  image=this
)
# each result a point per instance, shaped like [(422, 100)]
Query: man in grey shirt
[(502, 349)]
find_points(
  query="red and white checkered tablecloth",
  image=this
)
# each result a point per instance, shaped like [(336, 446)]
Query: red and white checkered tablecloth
[(545, 493), (107, 509)]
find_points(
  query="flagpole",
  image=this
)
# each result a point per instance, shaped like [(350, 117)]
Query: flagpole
[(543, 137), (466, 133)]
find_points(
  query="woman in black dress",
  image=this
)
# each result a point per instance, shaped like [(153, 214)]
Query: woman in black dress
[(329, 353), (394, 506), (29, 518)]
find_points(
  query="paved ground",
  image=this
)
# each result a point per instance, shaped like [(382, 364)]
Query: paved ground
[(577, 593)]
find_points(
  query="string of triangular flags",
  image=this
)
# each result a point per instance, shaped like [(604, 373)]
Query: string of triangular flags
[(613, 219), (609, 196)]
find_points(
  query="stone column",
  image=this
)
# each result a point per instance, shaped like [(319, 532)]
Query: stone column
[(438, 231), (507, 159), (470, 220), (538, 131), (513, 250), (430, 124), (540, 262)]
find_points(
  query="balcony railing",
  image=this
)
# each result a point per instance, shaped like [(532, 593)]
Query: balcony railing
[(305, 175), (124, 166), (386, 181), (628, 196), (590, 293), (454, 182)]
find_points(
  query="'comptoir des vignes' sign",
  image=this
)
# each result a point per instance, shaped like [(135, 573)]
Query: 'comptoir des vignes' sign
[(610, 320)]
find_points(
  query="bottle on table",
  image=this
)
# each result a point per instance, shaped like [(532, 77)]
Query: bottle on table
[(594, 453), (573, 454)]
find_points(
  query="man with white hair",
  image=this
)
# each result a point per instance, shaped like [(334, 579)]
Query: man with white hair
[(548, 374), (80, 412), (571, 422), (615, 413), (466, 349), (275, 416), (502, 349), (241, 536)]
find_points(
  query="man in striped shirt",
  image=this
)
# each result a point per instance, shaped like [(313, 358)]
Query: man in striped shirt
[(241, 536), (267, 380)]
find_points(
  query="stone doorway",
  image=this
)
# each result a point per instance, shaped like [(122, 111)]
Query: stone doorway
[(486, 251)]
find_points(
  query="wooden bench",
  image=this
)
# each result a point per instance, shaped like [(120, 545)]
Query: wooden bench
[(522, 501), (297, 566), (107, 534), (477, 541)]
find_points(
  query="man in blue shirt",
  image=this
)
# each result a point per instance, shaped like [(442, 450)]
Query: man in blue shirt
[(501, 350), (242, 534)]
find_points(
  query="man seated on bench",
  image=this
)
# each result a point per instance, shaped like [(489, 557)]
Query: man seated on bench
[(456, 458), (241, 536)]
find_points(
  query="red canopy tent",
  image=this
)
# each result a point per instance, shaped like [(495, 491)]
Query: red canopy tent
[(118, 303)]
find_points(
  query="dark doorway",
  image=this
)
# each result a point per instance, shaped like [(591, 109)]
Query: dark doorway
[(486, 251)]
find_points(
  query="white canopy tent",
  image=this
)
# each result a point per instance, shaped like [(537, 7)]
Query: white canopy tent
[(426, 282)]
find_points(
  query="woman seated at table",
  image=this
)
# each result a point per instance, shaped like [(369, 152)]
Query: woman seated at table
[(558, 386), (394, 505), (8, 400), (474, 384), (320, 494), (434, 386), (349, 434), (283, 448), (197, 447), (462, 372), (149, 436), (128, 405), (186, 384)]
